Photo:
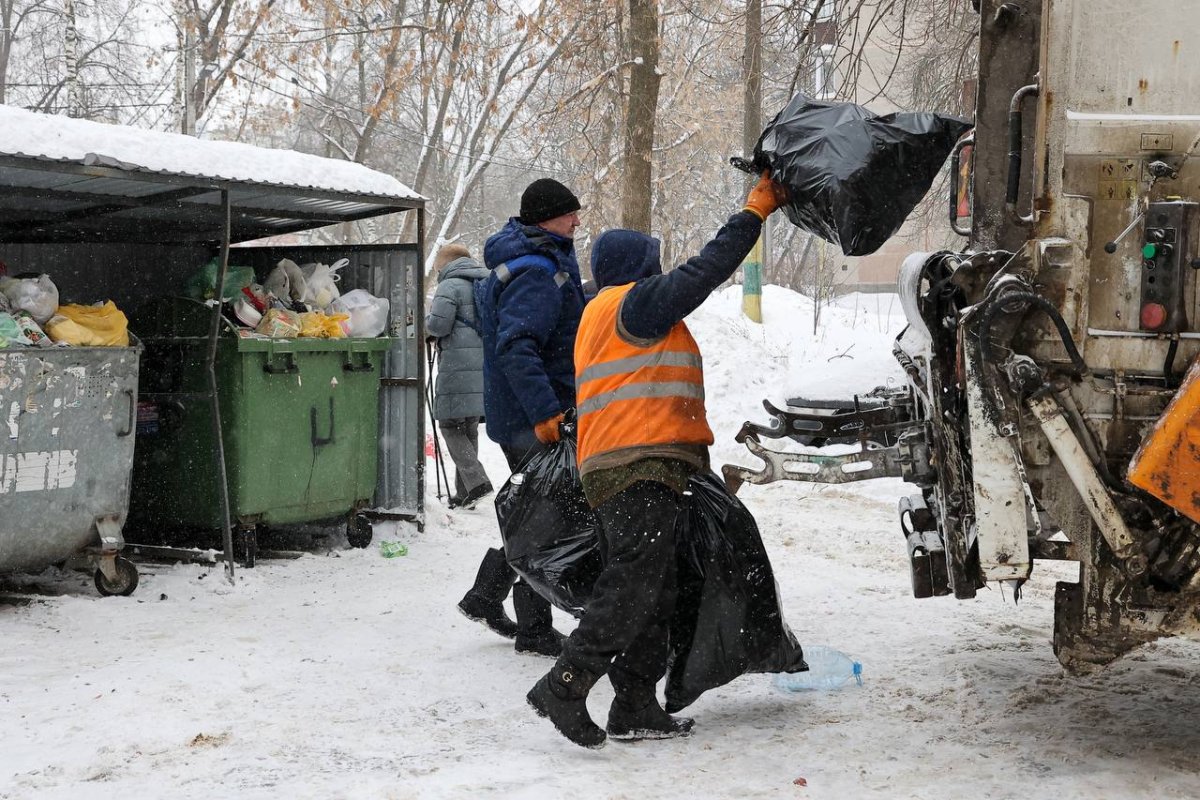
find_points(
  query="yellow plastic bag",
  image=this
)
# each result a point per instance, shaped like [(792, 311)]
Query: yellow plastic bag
[(319, 325), (101, 325)]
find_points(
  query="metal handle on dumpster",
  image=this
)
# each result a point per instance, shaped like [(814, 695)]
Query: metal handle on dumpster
[(955, 166), (132, 414), (289, 367), (319, 441), (366, 366), (1015, 145)]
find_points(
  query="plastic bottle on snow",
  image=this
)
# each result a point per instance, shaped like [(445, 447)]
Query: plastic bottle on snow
[(827, 669)]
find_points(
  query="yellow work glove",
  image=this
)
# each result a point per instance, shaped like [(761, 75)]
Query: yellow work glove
[(765, 197), (547, 431)]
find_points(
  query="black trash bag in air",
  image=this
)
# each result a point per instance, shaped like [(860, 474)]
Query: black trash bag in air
[(551, 536), (727, 619), (854, 177)]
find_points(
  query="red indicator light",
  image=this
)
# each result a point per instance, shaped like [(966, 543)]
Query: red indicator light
[(1154, 316)]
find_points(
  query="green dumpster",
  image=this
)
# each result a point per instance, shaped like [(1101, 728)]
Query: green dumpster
[(299, 420)]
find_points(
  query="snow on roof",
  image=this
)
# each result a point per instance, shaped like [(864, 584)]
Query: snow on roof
[(57, 138)]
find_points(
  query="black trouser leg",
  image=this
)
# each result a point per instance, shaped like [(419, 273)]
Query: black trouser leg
[(495, 577), (521, 448), (632, 601), (533, 611), (636, 672)]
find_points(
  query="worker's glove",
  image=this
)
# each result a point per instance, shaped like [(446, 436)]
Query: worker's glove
[(547, 431), (765, 197)]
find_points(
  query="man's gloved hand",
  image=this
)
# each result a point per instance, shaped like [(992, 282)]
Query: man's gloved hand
[(765, 197), (547, 431)]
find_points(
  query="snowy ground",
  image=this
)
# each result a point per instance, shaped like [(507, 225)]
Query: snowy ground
[(347, 675)]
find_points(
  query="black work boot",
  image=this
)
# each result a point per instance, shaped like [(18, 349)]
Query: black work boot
[(639, 716), (535, 632), (485, 600), (561, 695), (469, 499)]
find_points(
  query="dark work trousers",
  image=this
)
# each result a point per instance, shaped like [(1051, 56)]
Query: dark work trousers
[(523, 446), (626, 622), (462, 442)]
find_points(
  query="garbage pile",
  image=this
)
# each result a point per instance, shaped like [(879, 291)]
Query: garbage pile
[(30, 316), (294, 301)]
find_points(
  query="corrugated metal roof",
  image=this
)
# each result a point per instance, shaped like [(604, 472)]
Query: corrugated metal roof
[(54, 191), (57, 138)]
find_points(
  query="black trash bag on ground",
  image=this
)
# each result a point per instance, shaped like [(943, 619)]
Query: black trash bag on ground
[(551, 536), (854, 177), (727, 619)]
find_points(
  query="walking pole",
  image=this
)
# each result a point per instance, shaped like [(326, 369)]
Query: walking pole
[(439, 464)]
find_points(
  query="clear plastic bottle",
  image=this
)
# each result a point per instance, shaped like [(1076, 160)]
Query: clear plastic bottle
[(827, 669)]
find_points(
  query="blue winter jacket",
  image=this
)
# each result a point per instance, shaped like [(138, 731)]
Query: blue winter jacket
[(660, 300), (528, 323)]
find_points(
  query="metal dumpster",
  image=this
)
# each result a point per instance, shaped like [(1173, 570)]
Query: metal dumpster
[(299, 422), (65, 458)]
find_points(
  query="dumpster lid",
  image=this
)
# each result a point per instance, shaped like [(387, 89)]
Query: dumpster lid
[(64, 179)]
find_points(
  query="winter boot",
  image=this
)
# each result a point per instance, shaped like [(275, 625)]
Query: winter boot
[(485, 600), (472, 497), (535, 633), (635, 716), (561, 695)]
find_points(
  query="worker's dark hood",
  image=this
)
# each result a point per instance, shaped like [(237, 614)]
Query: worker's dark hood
[(621, 256)]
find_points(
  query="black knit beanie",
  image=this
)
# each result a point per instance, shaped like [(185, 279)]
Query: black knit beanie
[(546, 199)]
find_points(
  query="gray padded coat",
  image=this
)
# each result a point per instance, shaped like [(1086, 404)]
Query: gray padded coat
[(458, 392)]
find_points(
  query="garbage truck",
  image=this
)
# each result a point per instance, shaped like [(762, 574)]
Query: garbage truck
[(1052, 403)]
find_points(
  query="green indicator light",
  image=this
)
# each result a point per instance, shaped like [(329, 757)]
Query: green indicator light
[(1149, 250)]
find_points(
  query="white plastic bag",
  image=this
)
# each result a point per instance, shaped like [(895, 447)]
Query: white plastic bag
[(368, 313), (286, 281), (322, 282), (38, 296)]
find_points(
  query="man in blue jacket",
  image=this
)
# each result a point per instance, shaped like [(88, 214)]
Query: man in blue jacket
[(528, 309)]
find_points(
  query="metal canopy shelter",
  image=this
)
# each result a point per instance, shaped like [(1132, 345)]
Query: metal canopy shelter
[(98, 198), (44, 200)]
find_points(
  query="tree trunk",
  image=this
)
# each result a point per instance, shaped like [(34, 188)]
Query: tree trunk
[(752, 268), (71, 58), (639, 118), (7, 34)]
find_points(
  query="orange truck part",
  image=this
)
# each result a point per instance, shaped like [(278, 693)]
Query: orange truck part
[(1167, 465)]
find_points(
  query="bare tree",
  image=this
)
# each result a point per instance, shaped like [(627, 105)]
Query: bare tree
[(16, 17), (219, 36)]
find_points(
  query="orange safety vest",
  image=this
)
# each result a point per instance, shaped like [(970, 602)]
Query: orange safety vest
[(630, 395)]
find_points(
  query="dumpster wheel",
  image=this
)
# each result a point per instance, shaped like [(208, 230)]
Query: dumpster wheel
[(359, 531), (125, 583)]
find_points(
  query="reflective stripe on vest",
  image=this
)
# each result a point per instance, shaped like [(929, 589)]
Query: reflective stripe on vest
[(629, 395)]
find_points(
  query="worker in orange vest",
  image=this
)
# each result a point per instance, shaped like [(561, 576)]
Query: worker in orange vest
[(642, 433)]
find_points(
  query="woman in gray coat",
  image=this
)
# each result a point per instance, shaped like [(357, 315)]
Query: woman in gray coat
[(458, 392)]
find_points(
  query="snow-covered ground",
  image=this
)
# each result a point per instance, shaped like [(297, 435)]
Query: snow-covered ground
[(343, 674)]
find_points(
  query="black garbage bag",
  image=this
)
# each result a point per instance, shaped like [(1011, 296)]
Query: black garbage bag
[(551, 536), (854, 177), (727, 618)]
